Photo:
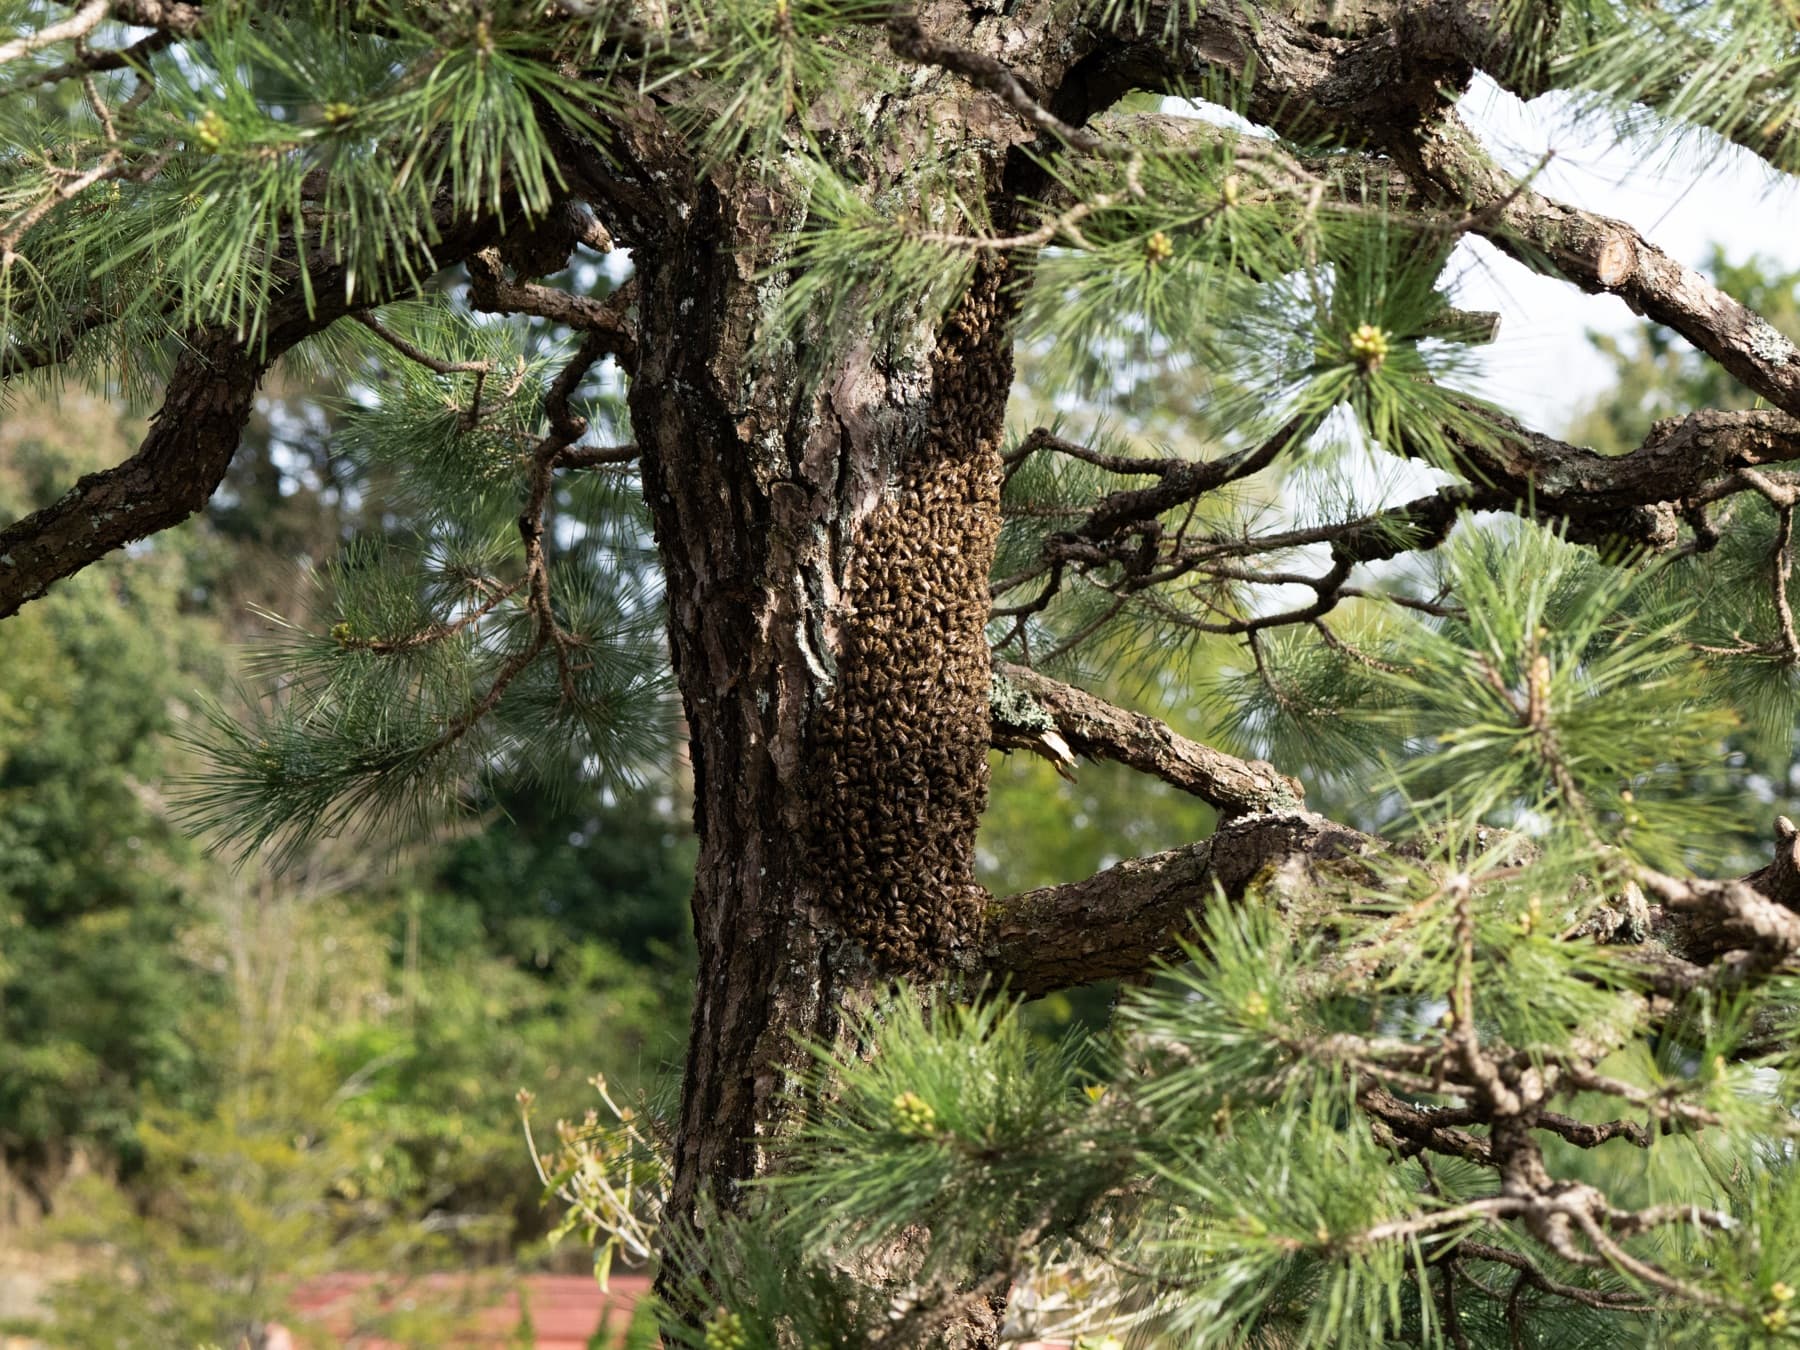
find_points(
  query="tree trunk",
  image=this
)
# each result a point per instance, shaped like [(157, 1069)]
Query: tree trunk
[(827, 547)]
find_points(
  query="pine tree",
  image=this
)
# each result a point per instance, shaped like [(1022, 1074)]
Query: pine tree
[(694, 323)]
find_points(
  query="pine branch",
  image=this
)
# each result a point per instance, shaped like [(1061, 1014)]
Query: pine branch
[(171, 475), (1634, 499), (1126, 919), (177, 17), (192, 437), (1601, 256), (909, 39), (87, 61), (17, 360), (77, 26), (1188, 479), (1386, 66), (1098, 730), (607, 320), (1122, 921)]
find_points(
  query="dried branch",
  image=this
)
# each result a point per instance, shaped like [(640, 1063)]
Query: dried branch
[(78, 25), (606, 319)]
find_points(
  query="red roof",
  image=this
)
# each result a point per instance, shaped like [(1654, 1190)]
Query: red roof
[(566, 1310)]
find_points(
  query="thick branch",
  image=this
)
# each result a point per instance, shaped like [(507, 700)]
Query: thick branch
[(1317, 69), (182, 459), (1383, 83), (1602, 256), (1120, 922), (1115, 924), (1681, 458), (1096, 729), (191, 439), (1631, 498), (168, 16)]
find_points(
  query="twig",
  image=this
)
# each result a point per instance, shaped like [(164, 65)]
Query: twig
[(78, 25), (1500, 1096), (597, 457), (417, 353), (466, 418), (1530, 1274)]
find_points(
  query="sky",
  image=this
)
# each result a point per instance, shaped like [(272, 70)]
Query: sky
[(1542, 367)]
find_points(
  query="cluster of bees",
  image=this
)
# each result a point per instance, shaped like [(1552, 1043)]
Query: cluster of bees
[(903, 743)]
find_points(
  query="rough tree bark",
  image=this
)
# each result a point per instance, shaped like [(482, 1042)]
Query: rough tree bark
[(827, 551), (826, 548), (827, 544)]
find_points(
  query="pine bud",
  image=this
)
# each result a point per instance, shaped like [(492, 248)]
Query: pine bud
[(1369, 345), (211, 131), (914, 1116), (336, 114), (726, 1332), (1256, 1005), (1534, 915), (1158, 249), (1781, 1292), (1230, 189)]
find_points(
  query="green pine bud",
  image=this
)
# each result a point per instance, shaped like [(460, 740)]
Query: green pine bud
[(726, 1332), (1158, 249), (1534, 916), (914, 1116), (211, 131), (1369, 345), (343, 634), (336, 113)]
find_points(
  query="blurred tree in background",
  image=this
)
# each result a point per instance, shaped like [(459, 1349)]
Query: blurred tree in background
[(257, 1076)]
